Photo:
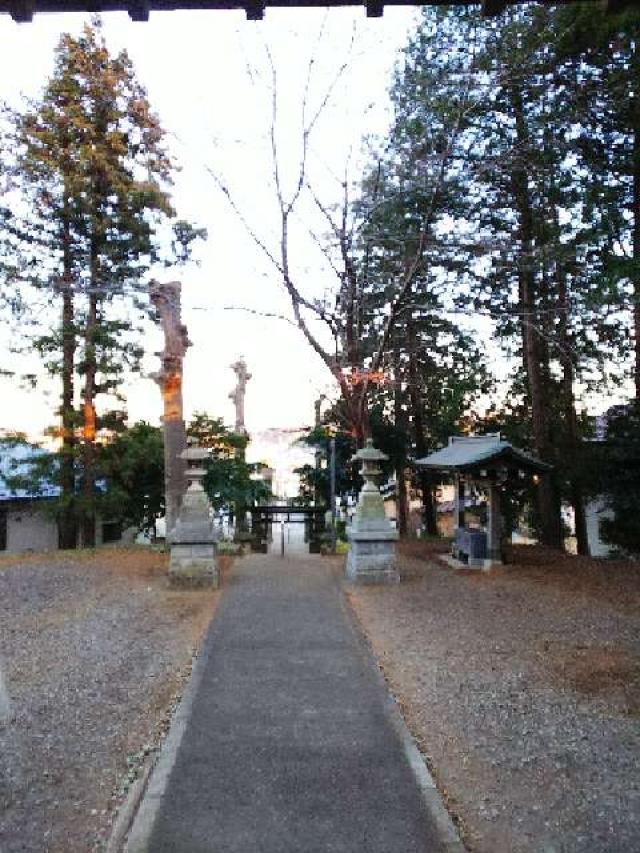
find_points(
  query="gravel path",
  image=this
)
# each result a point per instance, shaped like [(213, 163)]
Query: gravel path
[(93, 650), (522, 688)]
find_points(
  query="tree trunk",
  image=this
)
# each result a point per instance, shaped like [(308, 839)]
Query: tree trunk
[(358, 413), (636, 246), (166, 298), (89, 425), (401, 463), (425, 481), (67, 519), (547, 492), (573, 437)]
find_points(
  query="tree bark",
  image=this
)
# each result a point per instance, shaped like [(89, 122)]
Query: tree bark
[(425, 480), (401, 463), (67, 520), (357, 412), (636, 245), (166, 298), (89, 426), (548, 498), (573, 435)]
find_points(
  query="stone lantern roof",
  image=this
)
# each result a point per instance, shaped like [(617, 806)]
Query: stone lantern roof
[(369, 453)]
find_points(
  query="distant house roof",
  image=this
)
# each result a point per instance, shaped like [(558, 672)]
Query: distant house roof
[(468, 452), (15, 457)]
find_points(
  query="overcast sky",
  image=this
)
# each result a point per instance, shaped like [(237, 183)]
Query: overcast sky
[(194, 66)]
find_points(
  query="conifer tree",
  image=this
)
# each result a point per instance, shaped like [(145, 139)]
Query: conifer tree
[(92, 172)]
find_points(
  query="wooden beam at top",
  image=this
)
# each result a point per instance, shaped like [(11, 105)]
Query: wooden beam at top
[(22, 11), (138, 10), (491, 8), (375, 8), (255, 10)]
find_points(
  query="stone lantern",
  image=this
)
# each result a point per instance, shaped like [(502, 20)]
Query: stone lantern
[(193, 542), (372, 552)]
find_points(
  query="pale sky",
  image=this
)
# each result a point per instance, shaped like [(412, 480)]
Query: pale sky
[(194, 66)]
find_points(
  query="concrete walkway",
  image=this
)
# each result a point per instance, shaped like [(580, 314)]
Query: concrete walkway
[(287, 745)]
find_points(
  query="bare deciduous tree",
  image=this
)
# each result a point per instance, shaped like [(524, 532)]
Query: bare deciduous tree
[(350, 334)]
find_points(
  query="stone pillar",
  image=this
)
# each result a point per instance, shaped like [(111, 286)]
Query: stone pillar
[(238, 394), (372, 552), (494, 525), (193, 543), (166, 299)]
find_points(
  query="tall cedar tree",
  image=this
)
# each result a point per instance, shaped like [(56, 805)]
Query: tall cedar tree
[(93, 171), (547, 283), (420, 179), (536, 211)]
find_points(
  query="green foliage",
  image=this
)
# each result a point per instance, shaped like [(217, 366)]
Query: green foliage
[(412, 196), (85, 221), (615, 479), (132, 467), (315, 479), (231, 483), (533, 232), (208, 431)]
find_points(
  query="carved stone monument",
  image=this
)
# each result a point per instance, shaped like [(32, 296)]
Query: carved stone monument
[(166, 299), (238, 394), (193, 542), (372, 552)]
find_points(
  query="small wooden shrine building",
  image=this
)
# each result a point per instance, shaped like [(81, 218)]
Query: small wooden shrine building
[(486, 461)]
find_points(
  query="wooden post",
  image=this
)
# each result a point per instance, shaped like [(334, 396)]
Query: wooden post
[(494, 525), (459, 501)]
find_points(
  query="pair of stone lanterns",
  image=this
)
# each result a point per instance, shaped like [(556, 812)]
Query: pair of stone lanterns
[(372, 557), (193, 541)]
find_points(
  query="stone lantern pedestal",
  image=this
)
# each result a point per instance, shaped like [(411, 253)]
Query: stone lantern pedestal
[(372, 552), (193, 542)]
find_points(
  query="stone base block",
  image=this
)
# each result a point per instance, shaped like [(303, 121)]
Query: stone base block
[(192, 566), (471, 563), (372, 561)]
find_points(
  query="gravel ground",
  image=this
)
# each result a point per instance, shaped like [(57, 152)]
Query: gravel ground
[(94, 649), (522, 688)]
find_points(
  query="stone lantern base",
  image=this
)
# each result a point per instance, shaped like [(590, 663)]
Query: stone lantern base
[(193, 564), (372, 556), (193, 544)]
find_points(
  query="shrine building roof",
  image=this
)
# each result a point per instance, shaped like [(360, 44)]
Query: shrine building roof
[(466, 453)]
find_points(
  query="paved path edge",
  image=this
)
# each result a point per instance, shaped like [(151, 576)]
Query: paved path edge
[(144, 803), (143, 806), (431, 797)]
